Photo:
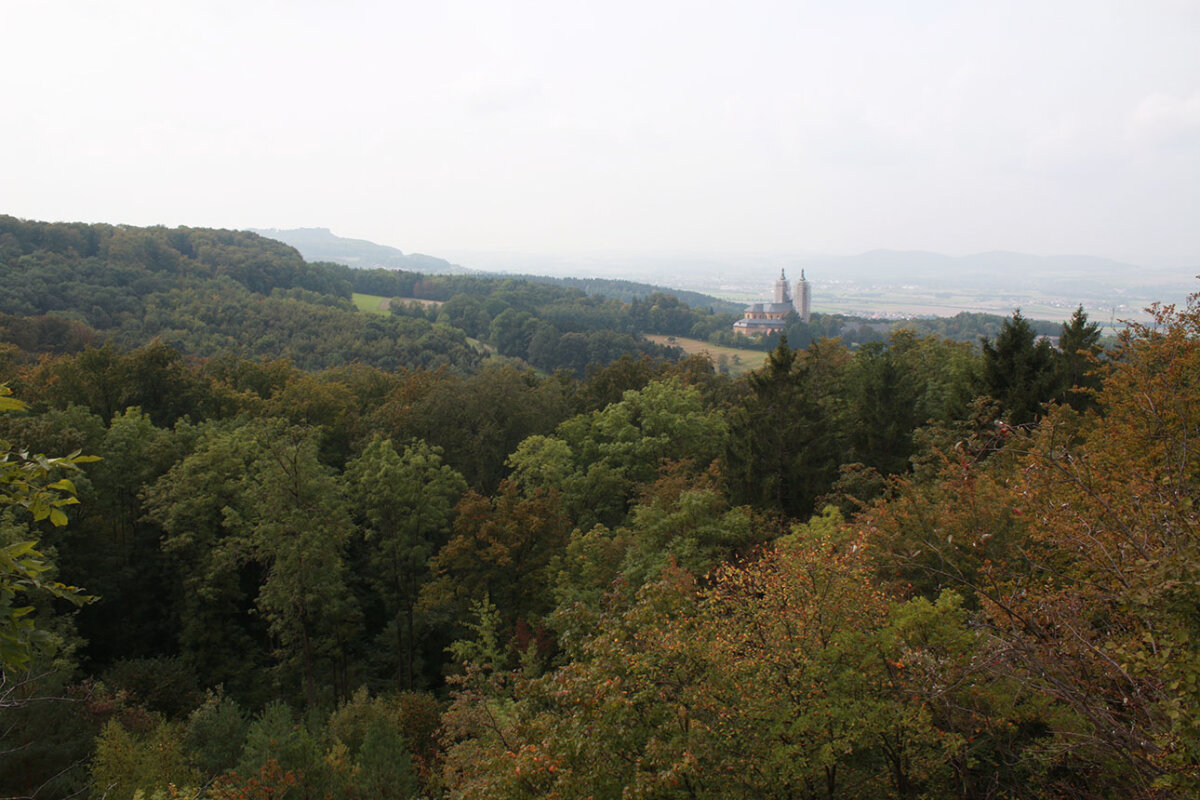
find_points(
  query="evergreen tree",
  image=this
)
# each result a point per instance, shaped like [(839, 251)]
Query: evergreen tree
[(1079, 344), (884, 405), (786, 439), (1019, 370)]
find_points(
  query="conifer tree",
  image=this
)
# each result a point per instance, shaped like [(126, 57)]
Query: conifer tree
[(1019, 370), (1079, 344)]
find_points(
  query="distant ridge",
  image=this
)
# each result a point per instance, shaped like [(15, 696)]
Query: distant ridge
[(996, 269), (322, 244)]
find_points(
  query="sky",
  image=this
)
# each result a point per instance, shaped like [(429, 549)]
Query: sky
[(638, 127)]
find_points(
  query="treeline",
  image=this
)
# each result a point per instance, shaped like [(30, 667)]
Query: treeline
[(207, 292), (549, 327), (552, 326), (204, 292), (968, 326), (628, 291), (914, 569)]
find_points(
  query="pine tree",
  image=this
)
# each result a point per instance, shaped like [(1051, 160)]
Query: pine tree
[(1019, 370), (1079, 344)]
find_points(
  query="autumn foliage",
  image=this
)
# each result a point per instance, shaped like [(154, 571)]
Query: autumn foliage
[(913, 569)]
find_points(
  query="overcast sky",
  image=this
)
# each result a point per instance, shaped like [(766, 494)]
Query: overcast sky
[(572, 127)]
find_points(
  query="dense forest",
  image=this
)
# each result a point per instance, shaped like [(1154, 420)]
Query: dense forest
[(257, 544)]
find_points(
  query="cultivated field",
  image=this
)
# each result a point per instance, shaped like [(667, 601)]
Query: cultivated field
[(736, 360)]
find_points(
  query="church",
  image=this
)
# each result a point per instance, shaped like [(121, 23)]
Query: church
[(763, 319)]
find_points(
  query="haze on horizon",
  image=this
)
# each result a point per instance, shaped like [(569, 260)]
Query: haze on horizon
[(569, 127)]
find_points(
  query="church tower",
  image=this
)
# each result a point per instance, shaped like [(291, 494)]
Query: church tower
[(782, 295), (802, 297), (764, 319)]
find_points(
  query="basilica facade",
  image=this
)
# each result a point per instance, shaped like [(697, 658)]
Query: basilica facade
[(763, 319)]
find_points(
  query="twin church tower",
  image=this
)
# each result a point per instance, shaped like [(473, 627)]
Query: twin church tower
[(761, 319)]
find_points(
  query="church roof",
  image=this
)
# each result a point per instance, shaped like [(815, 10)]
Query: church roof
[(772, 324)]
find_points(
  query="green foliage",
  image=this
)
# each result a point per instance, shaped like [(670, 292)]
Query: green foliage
[(407, 501), (216, 731), (217, 581), (1019, 370), (883, 397), (597, 460), (770, 682), (113, 550), (969, 327), (786, 440), (28, 482), (126, 762), (360, 750), (478, 420), (202, 292), (383, 767), (254, 500), (684, 521), (291, 521), (1009, 613), (163, 685), (1079, 345), (482, 649), (274, 736), (996, 734), (501, 548)]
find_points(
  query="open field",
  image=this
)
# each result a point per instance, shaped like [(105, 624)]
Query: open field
[(375, 304), (947, 304), (371, 303), (417, 300), (739, 361)]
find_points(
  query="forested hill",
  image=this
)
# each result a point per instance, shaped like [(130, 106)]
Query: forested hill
[(631, 290), (202, 291), (206, 292), (916, 568), (321, 244)]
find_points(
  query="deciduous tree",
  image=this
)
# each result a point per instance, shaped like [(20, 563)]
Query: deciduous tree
[(407, 502)]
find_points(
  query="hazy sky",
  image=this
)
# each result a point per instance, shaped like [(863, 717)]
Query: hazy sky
[(561, 126)]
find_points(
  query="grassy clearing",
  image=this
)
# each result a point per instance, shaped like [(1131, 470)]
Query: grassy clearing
[(739, 361), (418, 301), (371, 303), (375, 304)]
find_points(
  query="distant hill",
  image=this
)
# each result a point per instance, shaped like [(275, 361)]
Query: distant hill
[(628, 291), (1073, 274), (321, 244)]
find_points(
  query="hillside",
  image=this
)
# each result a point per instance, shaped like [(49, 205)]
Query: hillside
[(334, 553), (209, 292), (321, 244), (204, 292)]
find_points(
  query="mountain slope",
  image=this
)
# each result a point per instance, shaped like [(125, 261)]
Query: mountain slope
[(321, 244)]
